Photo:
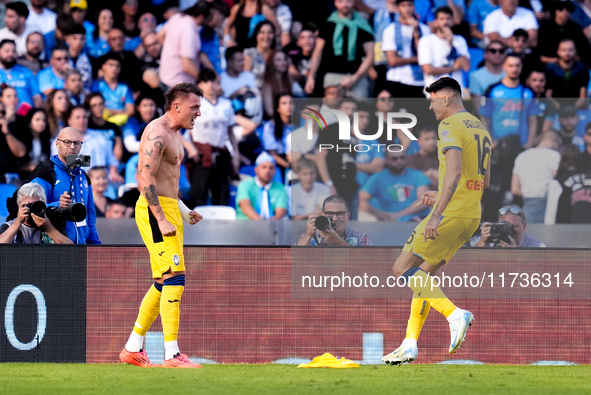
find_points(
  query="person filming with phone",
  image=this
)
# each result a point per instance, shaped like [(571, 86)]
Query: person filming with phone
[(330, 228)]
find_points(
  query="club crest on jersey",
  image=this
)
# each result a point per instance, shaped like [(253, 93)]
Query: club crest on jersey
[(444, 135), (176, 260)]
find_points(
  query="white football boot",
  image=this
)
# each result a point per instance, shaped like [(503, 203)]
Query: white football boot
[(407, 352), (459, 321)]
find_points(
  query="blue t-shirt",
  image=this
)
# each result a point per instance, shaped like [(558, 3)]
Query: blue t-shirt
[(210, 45), (114, 99), (133, 127), (478, 11), (395, 192), (508, 110), (579, 16), (48, 80), (425, 10), (367, 157), (96, 47), (22, 80), (443, 3)]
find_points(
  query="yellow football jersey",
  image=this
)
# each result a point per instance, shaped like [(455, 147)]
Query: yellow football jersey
[(465, 132)]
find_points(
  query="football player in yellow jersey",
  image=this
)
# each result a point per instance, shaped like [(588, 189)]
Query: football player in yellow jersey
[(464, 149)]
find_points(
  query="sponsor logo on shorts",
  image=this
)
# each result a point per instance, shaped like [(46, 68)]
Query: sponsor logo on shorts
[(176, 260)]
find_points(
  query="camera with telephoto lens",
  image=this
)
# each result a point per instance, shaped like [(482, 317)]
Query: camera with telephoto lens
[(322, 223), (74, 161), (500, 231), (74, 213)]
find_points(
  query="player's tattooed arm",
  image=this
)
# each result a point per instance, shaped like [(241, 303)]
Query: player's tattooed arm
[(150, 155)]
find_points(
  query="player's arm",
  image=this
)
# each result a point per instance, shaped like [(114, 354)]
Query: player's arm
[(150, 155), (453, 173)]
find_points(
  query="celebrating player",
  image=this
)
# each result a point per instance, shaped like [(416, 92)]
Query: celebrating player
[(464, 149), (159, 215)]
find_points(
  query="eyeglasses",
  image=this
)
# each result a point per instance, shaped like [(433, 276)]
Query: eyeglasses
[(384, 98), (68, 143), (61, 58), (495, 51), (338, 214), (515, 210)]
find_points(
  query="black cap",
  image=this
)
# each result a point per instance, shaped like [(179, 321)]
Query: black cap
[(19, 7)]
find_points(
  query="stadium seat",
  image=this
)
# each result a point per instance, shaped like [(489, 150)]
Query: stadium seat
[(476, 56), (6, 191), (131, 169), (217, 212)]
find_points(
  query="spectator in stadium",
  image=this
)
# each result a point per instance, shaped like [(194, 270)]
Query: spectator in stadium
[(489, 74), (129, 62), (11, 147), (332, 63), (53, 77), (128, 24), (536, 82), (532, 173), (301, 145), (17, 28), (584, 160), (212, 133), (145, 112), (27, 227), (558, 206), (69, 190), (478, 10), (78, 10), (529, 59), (394, 193), (567, 78), (74, 87), (95, 104), (277, 129), (41, 16), (116, 210), (300, 54), (443, 54), (400, 43), (9, 98), (76, 42), (307, 195), (337, 168), (96, 39), (182, 44), (235, 79), (501, 23), (100, 182), (36, 138), (333, 93), (17, 76), (568, 120), (210, 56), (57, 105), (64, 25), (384, 104), (255, 57), (260, 197), (243, 19), (152, 50), (426, 159), (277, 81), (560, 27), (516, 217), (384, 15), (368, 161), (338, 233), (284, 18), (118, 96), (35, 47)]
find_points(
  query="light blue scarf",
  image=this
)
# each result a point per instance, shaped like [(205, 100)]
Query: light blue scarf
[(357, 22)]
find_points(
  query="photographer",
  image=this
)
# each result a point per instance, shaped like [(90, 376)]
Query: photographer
[(336, 232), (28, 227), (517, 223), (65, 185)]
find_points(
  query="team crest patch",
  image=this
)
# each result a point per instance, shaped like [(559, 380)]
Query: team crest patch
[(85, 183), (176, 260), (444, 135)]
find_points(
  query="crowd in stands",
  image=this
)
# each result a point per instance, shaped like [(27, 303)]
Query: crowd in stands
[(102, 67)]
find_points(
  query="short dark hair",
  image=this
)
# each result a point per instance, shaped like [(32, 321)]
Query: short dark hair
[(445, 9), (335, 199), (521, 33), (91, 96), (588, 126), (220, 6), (566, 39), (110, 56), (402, 1), (74, 108), (206, 75), (364, 106), (59, 47), (513, 55), (200, 8), (445, 83), (230, 52), (65, 23), (180, 90), (7, 41), (77, 29), (348, 99), (426, 129), (19, 7)]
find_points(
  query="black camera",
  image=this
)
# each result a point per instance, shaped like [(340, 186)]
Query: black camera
[(37, 208), (322, 222), (73, 213), (500, 231), (74, 161)]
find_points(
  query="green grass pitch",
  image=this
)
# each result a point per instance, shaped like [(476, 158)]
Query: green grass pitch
[(47, 379)]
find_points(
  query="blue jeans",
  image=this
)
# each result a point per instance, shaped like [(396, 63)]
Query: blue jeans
[(534, 210)]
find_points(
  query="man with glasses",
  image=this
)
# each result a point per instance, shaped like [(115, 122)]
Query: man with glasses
[(64, 186), (514, 216), (489, 74), (53, 77), (335, 208), (396, 191)]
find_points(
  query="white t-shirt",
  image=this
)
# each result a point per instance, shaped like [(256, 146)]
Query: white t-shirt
[(402, 74), (535, 168), (212, 126), (44, 21), (434, 51), (300, 143), (303, 202), (20, 41), (498, 22), (284, 17), (231, 84)]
